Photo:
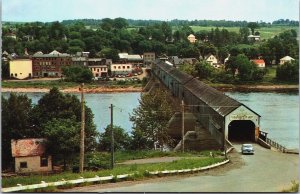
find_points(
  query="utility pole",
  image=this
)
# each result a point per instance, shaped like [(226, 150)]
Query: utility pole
[(112, 137), (81, 162), (182, 129)]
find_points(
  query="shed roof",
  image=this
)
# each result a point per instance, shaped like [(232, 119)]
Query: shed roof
[(28, 147), (218, 101)]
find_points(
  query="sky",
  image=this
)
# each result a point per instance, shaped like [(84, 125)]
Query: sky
[(166, 10)]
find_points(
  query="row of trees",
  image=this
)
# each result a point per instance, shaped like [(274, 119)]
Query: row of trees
[(176, 22), (57, 117)]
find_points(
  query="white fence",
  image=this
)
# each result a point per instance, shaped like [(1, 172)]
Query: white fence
[(98, 179)]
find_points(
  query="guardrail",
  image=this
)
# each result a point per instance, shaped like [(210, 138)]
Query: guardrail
[(276, 145), (272, 143), (43, 184)]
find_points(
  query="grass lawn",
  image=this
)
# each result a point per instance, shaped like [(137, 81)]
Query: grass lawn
[(189, 161), (63, 85)]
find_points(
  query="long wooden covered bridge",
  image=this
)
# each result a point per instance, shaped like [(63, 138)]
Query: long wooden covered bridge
[(210, 114)]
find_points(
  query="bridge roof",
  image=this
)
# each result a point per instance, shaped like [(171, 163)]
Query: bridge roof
[(218, 101), (180, 76)]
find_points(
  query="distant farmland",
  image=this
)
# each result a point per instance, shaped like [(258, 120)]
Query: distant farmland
[(265, 32)]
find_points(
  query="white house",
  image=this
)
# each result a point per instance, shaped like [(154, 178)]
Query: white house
[(253, 37), (285, 60), (30, 155), (192, 38), (211, 59)]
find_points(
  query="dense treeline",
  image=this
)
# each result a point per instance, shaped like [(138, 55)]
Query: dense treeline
[(176, 22), (115, 35)]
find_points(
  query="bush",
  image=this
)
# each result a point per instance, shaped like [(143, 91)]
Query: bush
[(288, 71), (98, 160), (77, 74)]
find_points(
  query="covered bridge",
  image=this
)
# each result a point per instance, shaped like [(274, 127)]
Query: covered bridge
[(220, 114)]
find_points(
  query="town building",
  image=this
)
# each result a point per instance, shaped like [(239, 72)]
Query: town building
[(99, 70), (259, 62), (20, 68), (30, 155), (121, 69), (49, 65), (192, 38), (149, 58), (286, 59), (135, 60), (81, 61)]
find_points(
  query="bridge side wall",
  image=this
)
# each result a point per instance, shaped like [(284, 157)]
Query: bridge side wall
[(208, 118)]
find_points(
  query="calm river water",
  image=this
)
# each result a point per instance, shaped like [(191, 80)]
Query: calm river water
[(279, 111)]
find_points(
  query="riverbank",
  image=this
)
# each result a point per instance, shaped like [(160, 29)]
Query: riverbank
[(121, 89), (76, 90), (256, 88)]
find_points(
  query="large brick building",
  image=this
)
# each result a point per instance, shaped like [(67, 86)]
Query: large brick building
[(49, 65)]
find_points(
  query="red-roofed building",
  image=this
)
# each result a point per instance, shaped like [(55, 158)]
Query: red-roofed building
[(259, 62), (30, 155)]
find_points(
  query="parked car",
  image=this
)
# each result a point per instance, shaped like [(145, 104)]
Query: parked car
[(247, 149)]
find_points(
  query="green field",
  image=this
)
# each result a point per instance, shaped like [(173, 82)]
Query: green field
[(265, 32)]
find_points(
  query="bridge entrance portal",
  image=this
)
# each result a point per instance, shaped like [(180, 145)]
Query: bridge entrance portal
[(241, 131)]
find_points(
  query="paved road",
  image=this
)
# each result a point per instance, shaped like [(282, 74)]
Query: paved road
[(266, 171)]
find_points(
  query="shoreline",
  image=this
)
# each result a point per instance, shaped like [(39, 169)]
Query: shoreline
[(257, 88), (76, 90), (222, 88)]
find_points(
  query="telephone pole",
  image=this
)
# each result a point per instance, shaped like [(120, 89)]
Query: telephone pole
[(81, 162), (182, 129), (112, 137)]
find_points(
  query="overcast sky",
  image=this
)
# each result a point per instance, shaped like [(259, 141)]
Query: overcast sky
[(58, 10)]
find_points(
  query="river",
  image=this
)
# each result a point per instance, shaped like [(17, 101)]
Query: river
[(279, 111)]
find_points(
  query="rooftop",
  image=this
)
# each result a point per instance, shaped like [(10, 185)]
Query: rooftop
[(28, 147)]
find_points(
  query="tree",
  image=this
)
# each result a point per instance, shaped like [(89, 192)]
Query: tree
[(253, 26), (76, 73), (204, 69), (110, 53), (16, 112), (121, 139), (151, 118), (120, 23), (188, 68), (63, 138), (288, 71), (59, 106), (106, 24)]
